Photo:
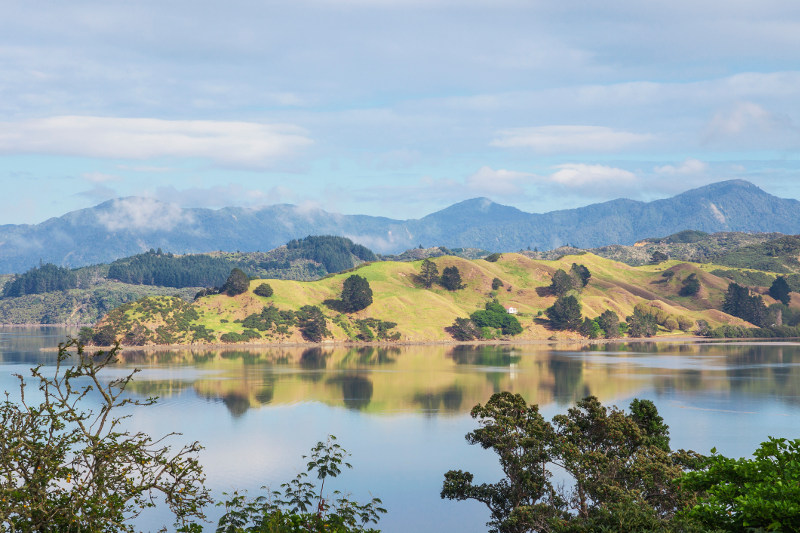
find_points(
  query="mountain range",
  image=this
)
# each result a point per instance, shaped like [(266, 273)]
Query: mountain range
[(127, 226)]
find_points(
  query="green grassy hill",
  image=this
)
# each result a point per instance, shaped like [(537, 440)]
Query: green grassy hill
[(419, 314)]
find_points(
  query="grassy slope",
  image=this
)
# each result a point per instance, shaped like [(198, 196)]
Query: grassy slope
[(422, 314)]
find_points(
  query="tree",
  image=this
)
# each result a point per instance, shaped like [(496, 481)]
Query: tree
[(609, 322), (301, 506), (740, 303), (561, 283), (463, 329), (658, 257), (429, 273), (451, 279), (565, 313), (590, 328), (642, 323), (237, 283), (520, 436), (264, 289), (780, 290), (356, 294), (312, 324), (691, 285), (496, 283), (620, 467), (64, 467), (758, 494), (581, 274)]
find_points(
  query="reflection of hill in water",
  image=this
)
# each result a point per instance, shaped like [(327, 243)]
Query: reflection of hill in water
[(450, 380)]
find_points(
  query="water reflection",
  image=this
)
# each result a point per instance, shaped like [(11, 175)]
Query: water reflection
[(439, 380)]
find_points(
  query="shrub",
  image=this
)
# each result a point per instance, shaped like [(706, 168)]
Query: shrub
[(451, 279), (492, 258), (264, 289), (496, 283)]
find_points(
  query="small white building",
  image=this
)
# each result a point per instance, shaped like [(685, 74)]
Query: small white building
[(512, 310)]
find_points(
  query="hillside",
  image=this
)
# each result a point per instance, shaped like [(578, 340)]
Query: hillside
[(115, 229), (418, 314)]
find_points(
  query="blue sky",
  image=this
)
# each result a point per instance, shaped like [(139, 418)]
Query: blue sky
[(393, 107)]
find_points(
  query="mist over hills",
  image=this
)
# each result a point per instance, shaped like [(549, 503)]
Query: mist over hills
[(127, 226)]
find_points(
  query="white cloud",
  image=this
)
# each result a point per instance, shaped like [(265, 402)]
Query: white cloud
[(561, 139), (146, 214), (239, 144), (750, 125), (99, 177), (688, 167), (582, 175), (498, 182)]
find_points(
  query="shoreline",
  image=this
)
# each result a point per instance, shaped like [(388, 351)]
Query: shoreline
[(350, 344)]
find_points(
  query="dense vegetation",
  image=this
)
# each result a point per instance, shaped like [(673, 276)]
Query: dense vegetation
[(39, 280), (334, 253), (167, 270)]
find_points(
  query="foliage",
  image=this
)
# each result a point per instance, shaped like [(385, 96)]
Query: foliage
[(620, 466), (264, 289), (237, 283), (356, 294), (740, 303), (495, 316), (609, 323), (561, 283), (312, 323), (590, 328), (334, 253), (302, 507), (777, 255), (161, 320), (658, 257), (167, 270), (429, 273), (746, 277), (780, 290), (758, 494), (371, 329), (463, 329), (38, 280), (451, 279), (565, 313), (64, 467), (642, 323), (496, 283), (492, 258), (690, 285), (581, 274), (685, 323)]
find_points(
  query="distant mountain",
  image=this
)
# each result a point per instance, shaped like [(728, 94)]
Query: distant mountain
[(127, 226)]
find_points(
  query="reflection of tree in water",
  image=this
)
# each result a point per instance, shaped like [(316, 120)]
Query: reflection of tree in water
[(247, 357), (265, 395), (370, 355), (567, 376), (484, 355), (356, 390), (236, 403), (758, 370), (448, 400), (313, 361)]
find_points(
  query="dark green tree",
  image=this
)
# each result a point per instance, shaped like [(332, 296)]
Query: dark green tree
[(312, 323), (496, 283), (691, 285), (523, 500), (609, 322), (429, 273), (463, 329), (565, 313), (581, 274), (740, 303), (561, 283), (590, 328), (38, 280), (658, 257), (451, 279), (356, 294), (237, 283), (264, 289), (780, 290)]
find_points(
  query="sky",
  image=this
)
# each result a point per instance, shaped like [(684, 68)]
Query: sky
[(392, 107)]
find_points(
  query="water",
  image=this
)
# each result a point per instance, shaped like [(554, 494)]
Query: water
[(403, 412)]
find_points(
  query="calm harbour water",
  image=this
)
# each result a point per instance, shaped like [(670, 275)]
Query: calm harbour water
[(403, 412)]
